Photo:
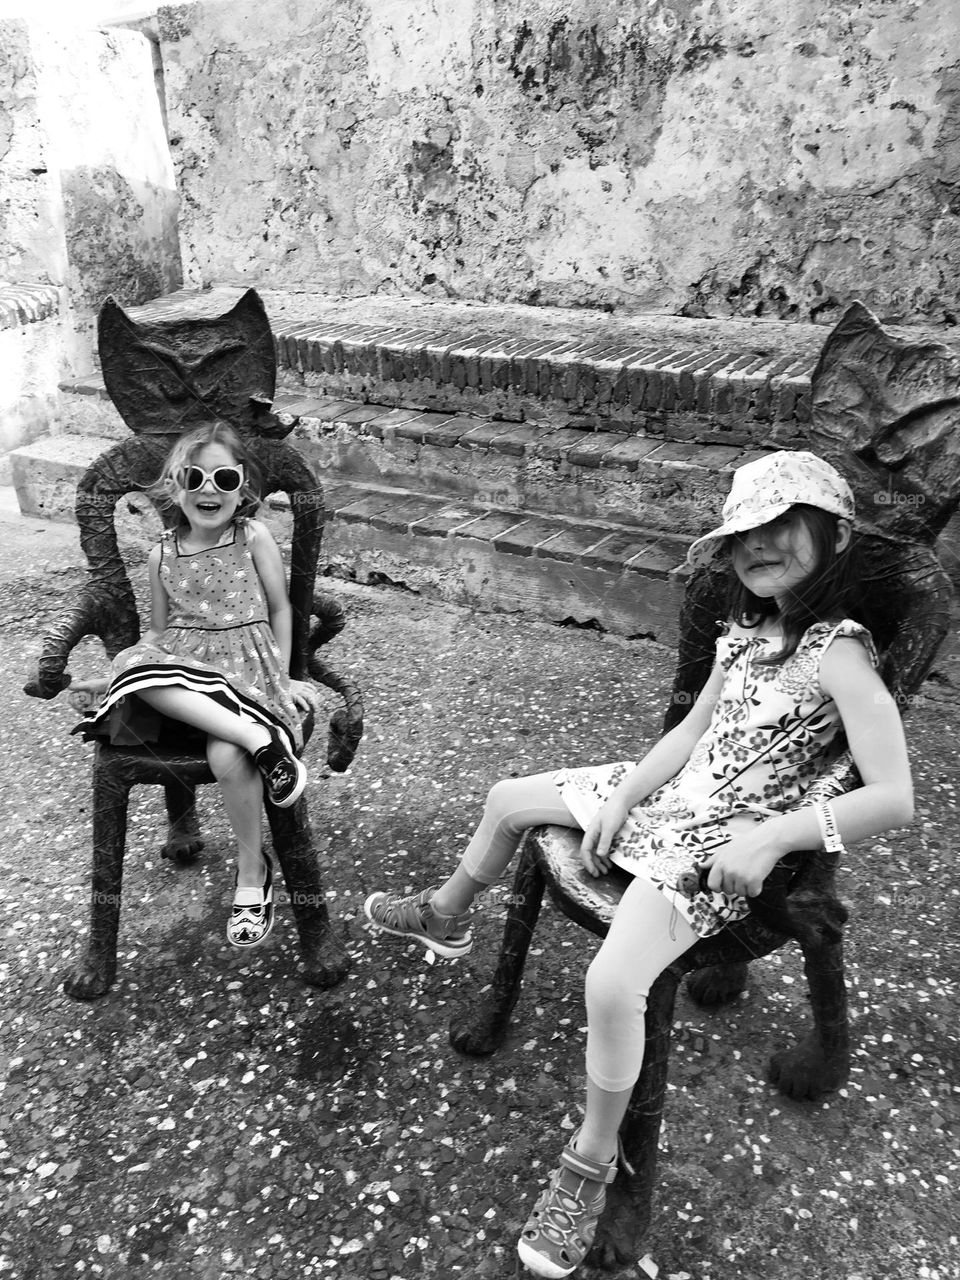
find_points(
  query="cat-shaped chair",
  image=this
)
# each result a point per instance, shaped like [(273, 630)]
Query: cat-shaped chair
[(165, 378), (878, 393)]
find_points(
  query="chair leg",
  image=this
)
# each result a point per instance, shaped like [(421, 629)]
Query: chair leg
[(484, 1031), (325, 959), (821, 1062), (95, 973), (626, 1218), (184, 840), (717, 984)]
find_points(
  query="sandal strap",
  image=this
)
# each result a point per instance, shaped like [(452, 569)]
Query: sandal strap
[(583, 1167), (406, 913)]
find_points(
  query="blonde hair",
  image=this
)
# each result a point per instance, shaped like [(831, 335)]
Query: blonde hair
[(164, 491)]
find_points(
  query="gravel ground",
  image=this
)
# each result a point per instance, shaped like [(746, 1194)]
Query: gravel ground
[(213, 1116)]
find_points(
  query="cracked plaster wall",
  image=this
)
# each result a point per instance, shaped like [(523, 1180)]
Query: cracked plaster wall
[(32, 244), (88, 202), (117, 183), (88, 199), (708, 157)]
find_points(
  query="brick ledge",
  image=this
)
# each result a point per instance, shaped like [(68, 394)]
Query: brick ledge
[(22, 304)]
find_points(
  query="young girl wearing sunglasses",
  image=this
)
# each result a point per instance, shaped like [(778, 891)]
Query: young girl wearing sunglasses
[(217, 654)]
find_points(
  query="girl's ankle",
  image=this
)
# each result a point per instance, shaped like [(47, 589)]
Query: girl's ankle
[(251, 875), (593, 1152), (442, 909)]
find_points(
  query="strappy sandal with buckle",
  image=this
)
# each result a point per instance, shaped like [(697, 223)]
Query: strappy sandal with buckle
[(560, 1230), (252, 916)]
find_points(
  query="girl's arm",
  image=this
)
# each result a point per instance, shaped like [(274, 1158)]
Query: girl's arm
[(663, 761), (158, 598), (876, 741), (269, 565)]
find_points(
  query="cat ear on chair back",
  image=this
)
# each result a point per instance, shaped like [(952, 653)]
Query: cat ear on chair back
[(167, 376), (885, 410)]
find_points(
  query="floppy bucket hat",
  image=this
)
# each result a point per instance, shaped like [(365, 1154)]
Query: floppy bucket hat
[(764, 489)]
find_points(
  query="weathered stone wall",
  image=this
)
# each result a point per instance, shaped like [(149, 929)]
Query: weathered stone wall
[(88, 204), (116, 176), (87, 191), (718, 157), (32, 243)]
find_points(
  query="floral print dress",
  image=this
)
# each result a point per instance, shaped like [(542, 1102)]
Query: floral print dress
[(218, 641), (772, 733)]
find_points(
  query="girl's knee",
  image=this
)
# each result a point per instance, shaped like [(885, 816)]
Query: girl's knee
[(612, 992), (224, 757), (499, 797), (507, 796)]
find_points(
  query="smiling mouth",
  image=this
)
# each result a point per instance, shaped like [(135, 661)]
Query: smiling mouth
[(209, 507)]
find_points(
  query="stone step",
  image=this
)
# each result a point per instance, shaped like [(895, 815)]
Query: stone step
[(45, 473), (623, 579), (591, 475), (730, 381), (87, 410), (677, 486)]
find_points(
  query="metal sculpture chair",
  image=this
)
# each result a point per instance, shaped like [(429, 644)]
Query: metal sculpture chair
[(911, 597), (165, 378)]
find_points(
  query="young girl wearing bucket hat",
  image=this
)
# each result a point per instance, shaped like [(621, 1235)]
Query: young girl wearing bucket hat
[(795, 678)]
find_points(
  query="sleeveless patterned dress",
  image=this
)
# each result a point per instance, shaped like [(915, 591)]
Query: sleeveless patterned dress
[(772, 733), (217, 641)]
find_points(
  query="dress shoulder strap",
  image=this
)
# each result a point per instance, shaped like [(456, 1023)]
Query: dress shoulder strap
[(847, 628), (167, 544)]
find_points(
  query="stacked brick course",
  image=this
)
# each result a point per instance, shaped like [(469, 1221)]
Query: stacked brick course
[(523, 458)]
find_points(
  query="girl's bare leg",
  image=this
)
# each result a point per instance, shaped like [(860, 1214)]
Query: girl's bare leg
[(242, 791), (597, 1139), (209, 717)]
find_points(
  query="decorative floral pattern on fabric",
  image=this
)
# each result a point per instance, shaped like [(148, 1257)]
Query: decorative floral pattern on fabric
[(218, 641), (773, 732)]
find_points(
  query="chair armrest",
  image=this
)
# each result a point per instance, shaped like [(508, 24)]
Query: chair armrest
[(101, 610), (346, 724)]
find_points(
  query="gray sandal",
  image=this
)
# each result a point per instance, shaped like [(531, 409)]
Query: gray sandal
[(561, 1228)]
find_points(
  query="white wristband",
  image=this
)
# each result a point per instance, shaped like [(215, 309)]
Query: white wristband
[(829, 833)]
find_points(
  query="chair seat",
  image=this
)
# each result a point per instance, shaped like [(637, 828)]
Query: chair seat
[(158, 763), (587, 900)]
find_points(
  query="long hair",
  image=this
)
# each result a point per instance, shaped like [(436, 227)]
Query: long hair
[(184, 453), (832, 590)]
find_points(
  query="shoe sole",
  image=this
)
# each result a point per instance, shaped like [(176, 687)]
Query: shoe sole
[(539, 1265), (443, 949), (297, 791)]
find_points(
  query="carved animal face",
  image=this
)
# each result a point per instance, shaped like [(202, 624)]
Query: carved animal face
[(168, 376), (886, 412)]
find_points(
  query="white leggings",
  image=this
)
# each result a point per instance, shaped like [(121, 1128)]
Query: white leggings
[(647, 933)]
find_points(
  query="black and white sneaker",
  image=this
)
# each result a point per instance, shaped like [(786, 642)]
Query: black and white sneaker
[(284, 776), (252, 916)]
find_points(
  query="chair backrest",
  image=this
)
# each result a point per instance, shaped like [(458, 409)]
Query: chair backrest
[(165, 377), (885, 411), (908, 598), (131, 466)]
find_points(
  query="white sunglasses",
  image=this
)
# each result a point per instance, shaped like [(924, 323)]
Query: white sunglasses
[(223, 479)]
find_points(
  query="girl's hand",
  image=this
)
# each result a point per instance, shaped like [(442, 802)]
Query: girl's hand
[(595, 845), (740, 867), (306, 696), (83, 695)]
